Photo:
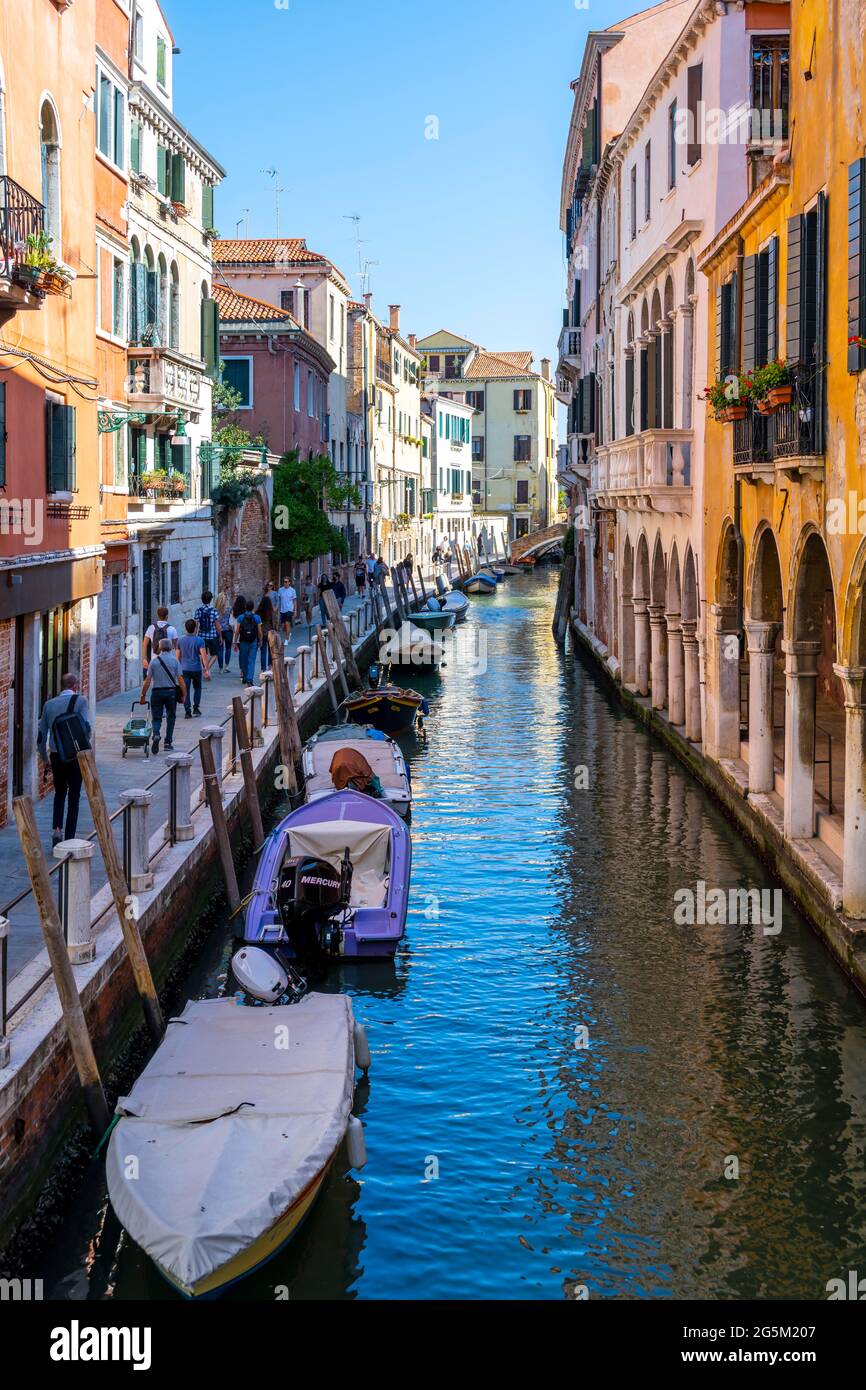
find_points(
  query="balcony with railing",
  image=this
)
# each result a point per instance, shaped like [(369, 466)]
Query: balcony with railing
[(797, 429), (651, 471), (160, 486), (22, 224), (569, 347), (162, 379), (751, 444)]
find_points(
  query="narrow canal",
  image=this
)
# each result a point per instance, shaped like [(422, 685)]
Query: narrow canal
[(506, 1159)]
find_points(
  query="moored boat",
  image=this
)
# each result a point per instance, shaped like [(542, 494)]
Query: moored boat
[(380, 753), (410, 647), (458, 604), (392, 709), (434, 620), (480, 583), (354, 904), (223, 1143)]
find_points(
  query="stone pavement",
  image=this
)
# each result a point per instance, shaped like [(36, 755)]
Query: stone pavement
[(119, 774)]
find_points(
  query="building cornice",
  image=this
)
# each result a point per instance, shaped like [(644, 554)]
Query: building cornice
[(143, 101), (661, 256), (598, 42), (767, 196), (297, 336), (702, 16)]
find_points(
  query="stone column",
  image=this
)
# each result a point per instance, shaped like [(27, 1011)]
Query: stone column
[(627, 641), (723, 735), (138, 801), (5, 1048), (266, 685), (76, 908), (854, 860), (762, 640), (641, 645), (182, 765), (676, 670), (801, 685), (215, 733), (659, 671), (256, 694), (692, 681)]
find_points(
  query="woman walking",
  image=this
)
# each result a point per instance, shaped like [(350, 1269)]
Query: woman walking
[(267, 614), (223, 606)]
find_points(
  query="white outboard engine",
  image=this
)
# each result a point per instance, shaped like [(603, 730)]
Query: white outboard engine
[(260, 975), (441, 586)]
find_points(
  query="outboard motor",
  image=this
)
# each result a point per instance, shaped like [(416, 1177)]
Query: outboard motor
[(441, 586), (374, 675), (265, 978), (311, 897)]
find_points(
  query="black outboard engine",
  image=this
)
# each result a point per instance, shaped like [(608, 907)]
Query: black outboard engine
[(374, 675), (311, 898)]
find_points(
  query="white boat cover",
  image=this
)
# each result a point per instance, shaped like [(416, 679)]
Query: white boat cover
[(369, 849), (228, 1124), (382, 754)]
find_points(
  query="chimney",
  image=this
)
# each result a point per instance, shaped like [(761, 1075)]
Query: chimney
[(413, 341), (545, 368), (395, 317), (368, 300)]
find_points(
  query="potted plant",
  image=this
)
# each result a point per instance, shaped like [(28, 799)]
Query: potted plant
[(177, 484), (773, 387), (728, 402), (153, 481)]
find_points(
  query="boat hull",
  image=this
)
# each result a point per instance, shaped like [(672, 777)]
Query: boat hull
[(390, 710), (435, 622), (480, 584)]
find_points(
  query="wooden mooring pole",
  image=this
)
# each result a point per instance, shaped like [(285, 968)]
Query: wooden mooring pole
[(326, 667), (353, 675), (213, 793), (337, 649), (251, 786), (58, 954), (122, 899), (285, 711)]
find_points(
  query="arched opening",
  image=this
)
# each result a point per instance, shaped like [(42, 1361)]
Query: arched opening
[(724, 653), (654, 412), (691, 649), (151, 297), (641, 617), (764, 702), (658, 627), (174, 308), (629, 375), (673, 619), (667, 354), (812, 693), (49, 143), (627, 614), (853, 684), (688, 320), (644, 367), (162, 308)]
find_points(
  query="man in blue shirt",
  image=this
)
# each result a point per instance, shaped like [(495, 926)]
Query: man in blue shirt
[(208, 624), (248, 638), (194, 663)]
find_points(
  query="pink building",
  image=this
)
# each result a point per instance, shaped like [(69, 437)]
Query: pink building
[(279, 370)]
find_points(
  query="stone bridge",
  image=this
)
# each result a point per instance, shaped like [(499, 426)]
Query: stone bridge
[(526, 548)]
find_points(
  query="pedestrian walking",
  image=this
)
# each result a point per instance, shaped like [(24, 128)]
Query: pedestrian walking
[(268, 616), (195, 665), (288, 601), (155, 634), (165, 678), (247, 641), (339, 588), (325, 585), (208, 624), (360, 576), (381, 573), (223, 606), (310, 596), (64, 728)]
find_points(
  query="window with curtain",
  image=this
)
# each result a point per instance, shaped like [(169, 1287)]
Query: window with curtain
[(49, 136)]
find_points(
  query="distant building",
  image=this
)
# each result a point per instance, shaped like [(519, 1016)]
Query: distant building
[(450, 471), (514, 428)]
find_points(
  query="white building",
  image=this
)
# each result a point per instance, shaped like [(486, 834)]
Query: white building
[(448, 478), (173, 334)]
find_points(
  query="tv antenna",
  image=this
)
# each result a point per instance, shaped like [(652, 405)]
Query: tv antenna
[(278, 189)]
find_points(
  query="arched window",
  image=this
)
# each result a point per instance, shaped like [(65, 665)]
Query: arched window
[(161, 336), (174, 310), (2, 121), (49, 140), (151, 313), (688, 346)]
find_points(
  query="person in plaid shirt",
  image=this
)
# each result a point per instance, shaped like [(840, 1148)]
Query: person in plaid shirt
[(208, 625)]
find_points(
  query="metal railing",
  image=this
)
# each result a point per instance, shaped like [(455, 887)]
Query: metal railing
[(797, 428), (174, 487), (21, 216), (751, 439), (309, 664)]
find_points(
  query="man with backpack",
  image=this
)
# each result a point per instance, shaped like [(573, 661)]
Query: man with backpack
[(64, 729), (162, 628), (169, 690), (248, 637)]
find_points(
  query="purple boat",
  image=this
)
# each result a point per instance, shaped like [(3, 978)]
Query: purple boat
[(332, 883)]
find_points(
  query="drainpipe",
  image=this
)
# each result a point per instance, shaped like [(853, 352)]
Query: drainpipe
[(738, 482)]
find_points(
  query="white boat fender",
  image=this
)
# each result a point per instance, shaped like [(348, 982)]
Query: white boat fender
[(362, 1048), (355, 1145)]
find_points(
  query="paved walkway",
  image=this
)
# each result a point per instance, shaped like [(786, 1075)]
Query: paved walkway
[(119, 774)]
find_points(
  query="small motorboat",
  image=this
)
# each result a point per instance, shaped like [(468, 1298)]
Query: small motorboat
[(224, 1141), (413, 648), (481, 583), (380, 753), (390, 708), (458, 604), (332, 881), (436, 619)]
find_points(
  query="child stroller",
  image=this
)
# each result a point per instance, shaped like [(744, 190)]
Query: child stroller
[(137, 732)]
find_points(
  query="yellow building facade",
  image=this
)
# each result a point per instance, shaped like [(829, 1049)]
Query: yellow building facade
[(785, 505)]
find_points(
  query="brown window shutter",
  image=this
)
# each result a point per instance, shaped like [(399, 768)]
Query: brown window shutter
[(793, 327), (856, 263)]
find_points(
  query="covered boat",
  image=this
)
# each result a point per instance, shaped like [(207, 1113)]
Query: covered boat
[(458, 604), (363, 912), (481, 583), (436, 619), (226, 1138), (412, 648), (377, 750)]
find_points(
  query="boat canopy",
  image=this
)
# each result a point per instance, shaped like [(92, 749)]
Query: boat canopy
[(369, 849)]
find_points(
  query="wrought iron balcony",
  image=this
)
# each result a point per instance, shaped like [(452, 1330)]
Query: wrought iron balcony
[(21, 217), (797, 429), (751, 444), (160, 487)]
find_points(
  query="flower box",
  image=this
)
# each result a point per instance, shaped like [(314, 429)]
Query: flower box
[(780, 395), (730, 413)]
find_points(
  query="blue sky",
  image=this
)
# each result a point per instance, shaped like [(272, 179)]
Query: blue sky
[(335, 94)]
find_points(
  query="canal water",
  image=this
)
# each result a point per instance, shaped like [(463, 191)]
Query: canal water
[(569, 1091)]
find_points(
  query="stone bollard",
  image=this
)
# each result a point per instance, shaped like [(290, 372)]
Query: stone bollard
[(5, 1048), (136, 802), (181, 778), (304, 658), (215, 734), (292, 673), (76, 856), (266, 685), (316, 663), (256, 693)]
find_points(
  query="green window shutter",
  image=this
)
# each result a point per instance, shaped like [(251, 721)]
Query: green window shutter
[(210, 336), (750, 308), (162, 169), (733, 326), (160, 60), (856, 263), (720, 317), (135, 146), (820, 319), (60, 446), (178, 178), (773, 300), (793, 326), (2, 434), (181, 461), (207, 212)]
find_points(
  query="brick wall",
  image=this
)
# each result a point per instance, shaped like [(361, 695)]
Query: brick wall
[(108, 646), (7, 657)]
